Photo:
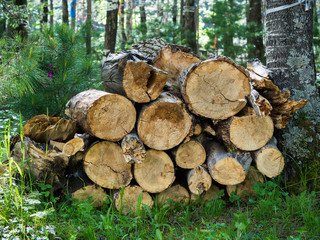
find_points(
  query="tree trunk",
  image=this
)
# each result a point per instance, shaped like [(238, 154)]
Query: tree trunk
[(174, 194), (254, 17), (128, 200), (269, 159), (73, 17), (289, 54), (182, 19), (199, 180), (190, 154), (164, 123), (65, 15), (51, 15), (143, 18), (104, 115), (88, 27), (227, 168), (105, 165), (173, 60), (129, 21), (124, 73), (44, 17), (156, 173), (111, 26), (206, 88), (121, 23), (21, 29), (189, 27), (174, 18)]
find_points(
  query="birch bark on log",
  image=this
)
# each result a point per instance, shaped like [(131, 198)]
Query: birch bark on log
[(227, 168)]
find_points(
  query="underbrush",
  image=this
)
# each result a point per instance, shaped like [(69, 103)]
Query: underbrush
[(30, 210)]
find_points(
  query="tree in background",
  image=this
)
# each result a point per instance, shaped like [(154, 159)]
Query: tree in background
[(225, 21), (88, 27), (73, 14), (111, 26), (130, 7), (189, 27), (143, 18), (289, 54), (254, 30), (65, 15), (44, 14), (121, 24)]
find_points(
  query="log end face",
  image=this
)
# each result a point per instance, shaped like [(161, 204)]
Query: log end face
[(270, 162)]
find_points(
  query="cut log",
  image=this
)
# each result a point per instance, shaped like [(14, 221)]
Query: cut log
[(199, 180), (156, 173), (104, 115), (172, 60), (128, 199), (247, 133), (92, 193), (43, 128), (73, 146), (190, 154), (57, 145), (227, 168), (105, 165), (174, 194), (258, 68), (245, 189), (126, 73), (212, 194), (45, 165), (149, 48), (133, 148), (164, 123), (215, 88), (269, 159)]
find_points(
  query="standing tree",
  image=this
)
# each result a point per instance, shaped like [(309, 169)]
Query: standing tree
[(121, 23), (88, 27), (254, 35), (189, 27), (143, 18), (289, 54), (65, 15), (73, 11), (51, 14), (44, 17), (130, 6), (111, 26)]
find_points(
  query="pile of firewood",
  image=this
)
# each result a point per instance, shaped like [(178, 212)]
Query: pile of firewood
[(167, 125)]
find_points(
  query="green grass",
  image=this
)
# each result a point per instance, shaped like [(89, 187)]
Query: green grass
[(30, 211)]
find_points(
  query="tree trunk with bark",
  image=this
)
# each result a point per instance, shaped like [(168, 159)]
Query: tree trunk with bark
[(88, 27), (44, 14), (121, 24), (65, 13), (254, 18), (289, 55), (130, 5), (189, 27), (111, 26), (143, 18), (51, 14)]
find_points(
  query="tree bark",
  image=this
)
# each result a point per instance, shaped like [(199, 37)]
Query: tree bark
[(254, 18), (129, 21), (51, 15), (65, 15), (289, 54), (143, 18), (156, 173), (111, 26), (206, 88), (164, 123), (121, 23), (105, 165), (150, 48), (104, 115), (88, 27), (189, 27), (44, 17), (133, 148)]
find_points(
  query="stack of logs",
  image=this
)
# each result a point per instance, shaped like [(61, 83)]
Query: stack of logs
[(167, 125)]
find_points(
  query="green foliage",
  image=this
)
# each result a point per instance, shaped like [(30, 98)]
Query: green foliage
[(42, 75), (225, 25)]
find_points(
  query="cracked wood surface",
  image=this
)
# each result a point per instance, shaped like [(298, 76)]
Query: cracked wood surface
[(215, 88), (104, 115), (105, 165)]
